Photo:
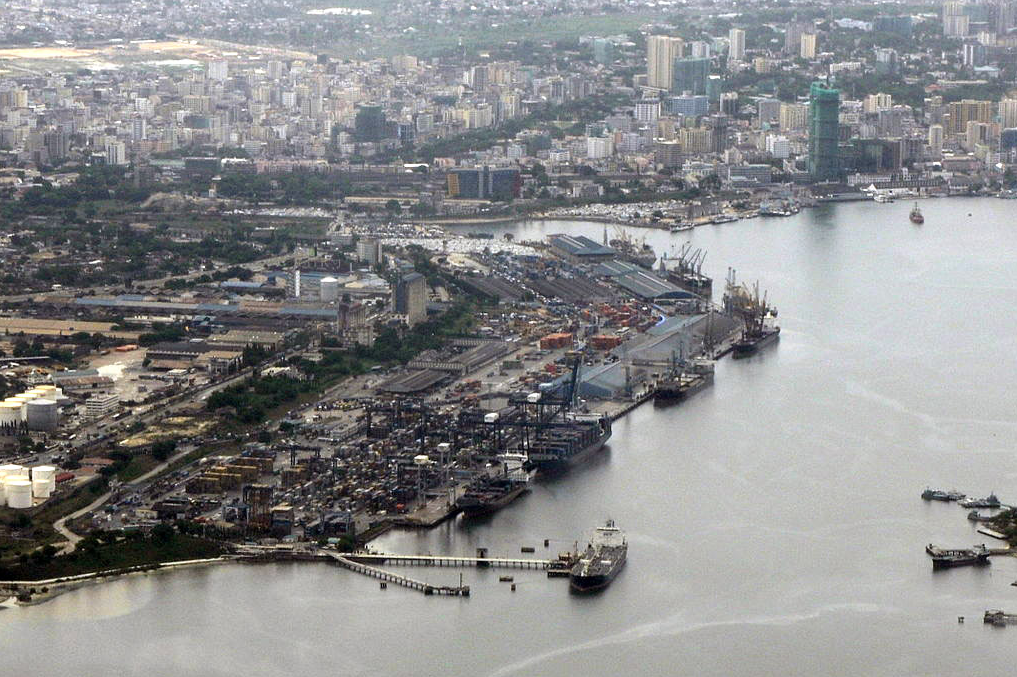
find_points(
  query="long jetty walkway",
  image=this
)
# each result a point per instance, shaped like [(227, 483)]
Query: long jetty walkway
[(461, 562), (398, 579)]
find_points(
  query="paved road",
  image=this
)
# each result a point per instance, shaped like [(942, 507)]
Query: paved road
[(72, 538)]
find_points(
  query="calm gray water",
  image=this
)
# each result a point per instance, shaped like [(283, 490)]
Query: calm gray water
[(775, 523)]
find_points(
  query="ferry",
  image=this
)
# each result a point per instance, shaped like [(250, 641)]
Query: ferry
[(916, 215)]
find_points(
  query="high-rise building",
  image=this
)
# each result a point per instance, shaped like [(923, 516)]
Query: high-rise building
[(690, 75), (701, 49), (968, 110), (936, 140), (369, 251), (956, 21), (808, 50), (824, 113), (736, 44), (603, 51), (974, 54), (874, 103), (768, 111), (369, 123), (139, 128), (116, 153), (411, 298), (778, 146), (793, 116), (484, 183), (793, 37), (687, 105), (661, 52), (1008, 113), (647, 110), (218, 70), (900, 25)]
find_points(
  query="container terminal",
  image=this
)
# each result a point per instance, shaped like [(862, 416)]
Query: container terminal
[(568, 338)]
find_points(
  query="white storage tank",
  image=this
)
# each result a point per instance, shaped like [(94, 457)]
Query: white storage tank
[(45, 473), (10, 414), (329, 289), (19, 493), (13, 470), (491, 417), (42, 415), (41, 488), (47, 390)]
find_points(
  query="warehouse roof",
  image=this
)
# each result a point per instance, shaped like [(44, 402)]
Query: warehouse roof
[(640, 282), (579, 245)]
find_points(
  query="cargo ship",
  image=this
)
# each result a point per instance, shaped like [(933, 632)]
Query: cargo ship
[(758, 317), (755, 338), (945, 558), (488, 496), (686, 271), (560, 445), (684, 384), (916, 216), (600, 563)]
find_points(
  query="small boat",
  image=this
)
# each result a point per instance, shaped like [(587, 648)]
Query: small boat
[(916, 215)]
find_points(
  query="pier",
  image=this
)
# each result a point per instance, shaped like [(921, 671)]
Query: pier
[(458, 562), (398, 579)]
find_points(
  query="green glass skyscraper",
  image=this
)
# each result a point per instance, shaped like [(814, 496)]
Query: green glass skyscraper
[(690, 75), (824, 110)]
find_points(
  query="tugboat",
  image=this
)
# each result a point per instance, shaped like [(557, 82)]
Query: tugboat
[(600, 563), (916, 216)]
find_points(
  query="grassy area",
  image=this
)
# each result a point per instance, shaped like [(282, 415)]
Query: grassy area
[(128, 551), (137, 466)]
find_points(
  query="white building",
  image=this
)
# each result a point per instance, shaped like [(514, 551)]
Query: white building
[(778, 146), (736, 44), (101, 405)]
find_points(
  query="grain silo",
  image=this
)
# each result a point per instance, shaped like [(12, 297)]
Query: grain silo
[(42, 415)]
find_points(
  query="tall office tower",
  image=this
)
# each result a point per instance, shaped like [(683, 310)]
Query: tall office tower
[(369, 124), (411, 298), (936, 140), (218, 70), (139, 128), (690, 75), (1008, 113), (956, 21), (116, 153), (736, 48), (603, 51), (793, 116), (808, 50), (793, 37), (824, 111), (701, 49), (661, 52)]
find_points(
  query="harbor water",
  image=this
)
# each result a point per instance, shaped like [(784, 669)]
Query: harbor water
[(775, 522)]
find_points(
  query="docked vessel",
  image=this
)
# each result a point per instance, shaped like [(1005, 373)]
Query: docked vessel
[(600, 563), (916, 215), (990, 501), (947, 558), (565, 444), (938, 495), (757, 315), (974, 516), (686, 271), (633, 251), (684, 384), (488, 496), (754, 339)]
